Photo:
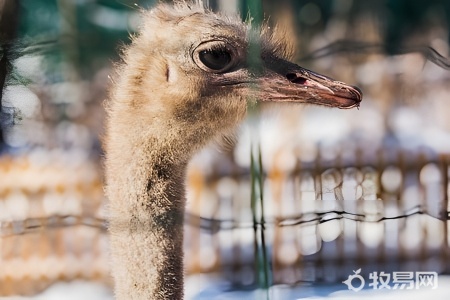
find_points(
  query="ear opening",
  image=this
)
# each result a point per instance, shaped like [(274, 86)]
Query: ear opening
[(171, 73)]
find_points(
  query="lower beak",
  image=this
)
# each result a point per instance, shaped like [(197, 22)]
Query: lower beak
[(287, 82)]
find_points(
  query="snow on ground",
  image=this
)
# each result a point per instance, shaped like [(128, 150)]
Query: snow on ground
[(206, 287)]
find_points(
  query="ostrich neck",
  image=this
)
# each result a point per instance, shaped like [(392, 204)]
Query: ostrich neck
[(145, 186)]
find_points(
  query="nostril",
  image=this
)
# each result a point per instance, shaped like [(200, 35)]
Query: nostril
[(299, 80), (292, 77)]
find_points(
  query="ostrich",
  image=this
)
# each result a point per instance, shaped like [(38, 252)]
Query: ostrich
[(185, 80)]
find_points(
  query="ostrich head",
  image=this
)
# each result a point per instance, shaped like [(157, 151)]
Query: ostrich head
[(186, 79), (200, 70)]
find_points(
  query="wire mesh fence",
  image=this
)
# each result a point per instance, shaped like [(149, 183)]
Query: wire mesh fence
[(315, 223)]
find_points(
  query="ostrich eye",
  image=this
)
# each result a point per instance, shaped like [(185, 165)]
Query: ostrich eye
[(216, 60), (215, 56)]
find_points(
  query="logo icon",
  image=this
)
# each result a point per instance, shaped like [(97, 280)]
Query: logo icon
[(349, 281), (395, 280)]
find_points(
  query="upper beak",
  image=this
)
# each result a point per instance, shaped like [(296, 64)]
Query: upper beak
[(283, 81)]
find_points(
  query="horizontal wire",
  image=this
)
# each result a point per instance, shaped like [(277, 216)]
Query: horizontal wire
[(30, 225)]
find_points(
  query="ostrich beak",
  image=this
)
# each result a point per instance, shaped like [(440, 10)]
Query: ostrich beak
[(284, 81)]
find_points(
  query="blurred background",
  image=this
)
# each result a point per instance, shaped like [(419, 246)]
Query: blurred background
[(305, 197)]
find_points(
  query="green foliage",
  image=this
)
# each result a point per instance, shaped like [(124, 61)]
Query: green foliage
[(86, 34), (262, 260)]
